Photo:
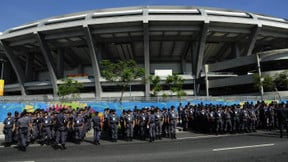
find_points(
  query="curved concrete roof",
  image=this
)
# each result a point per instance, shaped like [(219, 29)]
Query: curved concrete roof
[(150, 13), (181, 35)]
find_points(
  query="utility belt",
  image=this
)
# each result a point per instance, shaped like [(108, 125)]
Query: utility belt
[(24, 130)]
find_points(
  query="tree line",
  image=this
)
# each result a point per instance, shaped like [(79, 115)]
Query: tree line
[(122, 73)]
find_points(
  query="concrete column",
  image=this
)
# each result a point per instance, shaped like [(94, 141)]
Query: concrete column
[(147, 58), (236, 50), (60, 63), (206, 79), (94, 60), (252, 40), (49, 62), (28, 66), (16, 66), (183, 65), (198, 58)]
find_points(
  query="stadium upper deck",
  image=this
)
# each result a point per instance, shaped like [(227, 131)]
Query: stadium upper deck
[(182, 39)]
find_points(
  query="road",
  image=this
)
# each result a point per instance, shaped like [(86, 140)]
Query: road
[(237, 148)]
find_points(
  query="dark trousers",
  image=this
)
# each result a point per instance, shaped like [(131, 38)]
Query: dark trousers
[(46, 133), (23, 136), (8, 135), (97, 134), (61, 135), (114, 131)]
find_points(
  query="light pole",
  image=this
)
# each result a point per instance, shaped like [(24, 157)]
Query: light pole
[(260, 75)]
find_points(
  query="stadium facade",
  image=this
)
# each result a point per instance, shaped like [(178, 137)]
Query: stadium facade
[(214, 50)]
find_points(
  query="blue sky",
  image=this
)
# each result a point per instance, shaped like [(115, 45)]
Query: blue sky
[(17, 12)]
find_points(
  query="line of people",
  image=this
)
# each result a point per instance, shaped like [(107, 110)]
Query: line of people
[(152, 123)]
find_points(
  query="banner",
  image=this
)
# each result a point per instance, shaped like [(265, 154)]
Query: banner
[(1, 87)]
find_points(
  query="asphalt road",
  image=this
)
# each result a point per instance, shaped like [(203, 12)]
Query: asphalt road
[(235, 148)]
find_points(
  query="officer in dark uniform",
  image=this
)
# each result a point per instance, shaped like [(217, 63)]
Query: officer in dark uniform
[(15, 132), (228, 121), (142, 122), (24, 125), (122, 126), (212, 119), (113, 124), (35, 125), (158, 123), (61, 129), (8, 129), (253, 118), (45, 128), (97, 126), (282, 114), (185, 119), (165, 127), (78, 126), (244, 119), (151, 125), (191, 116), (129, 123), (236, 119), (173, 118), (219, 120)]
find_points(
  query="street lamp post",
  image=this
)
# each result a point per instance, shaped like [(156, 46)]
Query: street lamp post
[(260, 75)]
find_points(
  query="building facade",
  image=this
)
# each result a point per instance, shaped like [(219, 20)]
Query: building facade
[(214, 50)]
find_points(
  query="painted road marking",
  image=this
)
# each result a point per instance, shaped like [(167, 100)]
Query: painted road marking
[(197, 137), (243, 147)]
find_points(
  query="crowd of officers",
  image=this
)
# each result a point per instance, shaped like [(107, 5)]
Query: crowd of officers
[(148, 123)]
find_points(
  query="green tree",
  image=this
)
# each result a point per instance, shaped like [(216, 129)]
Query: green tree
[(69, 87), (122, 72), (156, 87), (175, 83), (281, 80), (267, 83)]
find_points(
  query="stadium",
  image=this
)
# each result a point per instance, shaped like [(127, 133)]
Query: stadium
[(216, 51)]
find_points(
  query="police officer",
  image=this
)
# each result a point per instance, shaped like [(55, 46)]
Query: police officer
[(219, 120), (97, 126), (165, 126), (253, 118), (78, 126), (129, 123), (228, 121), (16, 132), (244, 119), (35, 125), (8, 129), (142, 122), (61, 124), (173, 117), (45, 128), (151, 125), (236, 119), (158, 123), (185, 119), (24, 125), (113, 124), (282, 113)]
